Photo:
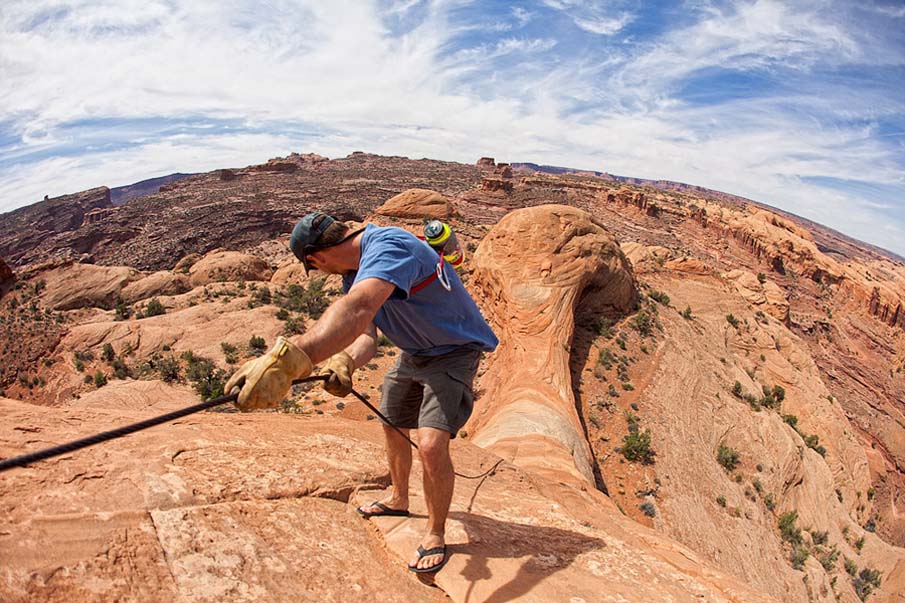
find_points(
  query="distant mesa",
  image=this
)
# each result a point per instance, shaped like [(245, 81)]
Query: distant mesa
[(416, 203), (486, 163)]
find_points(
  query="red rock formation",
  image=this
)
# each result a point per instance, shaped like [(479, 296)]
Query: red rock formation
[(532, 270), (6, 272), (485, 163), (416, 203), (493, 184)]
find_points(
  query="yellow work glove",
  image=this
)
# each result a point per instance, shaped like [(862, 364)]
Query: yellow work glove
[(265, 381), (339, 367)]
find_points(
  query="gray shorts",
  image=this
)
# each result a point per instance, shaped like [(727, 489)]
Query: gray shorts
[(431, 391)]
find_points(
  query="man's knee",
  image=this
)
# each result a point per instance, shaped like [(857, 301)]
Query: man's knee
[(433, 446)]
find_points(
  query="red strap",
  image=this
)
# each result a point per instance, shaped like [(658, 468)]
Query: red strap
[(428, 280)]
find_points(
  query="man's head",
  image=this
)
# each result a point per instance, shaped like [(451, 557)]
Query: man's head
[(316, 232)]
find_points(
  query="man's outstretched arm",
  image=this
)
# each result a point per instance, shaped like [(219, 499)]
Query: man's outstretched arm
[(347, 323)]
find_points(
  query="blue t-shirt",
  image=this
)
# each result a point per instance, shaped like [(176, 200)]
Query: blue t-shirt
[(432, 321)]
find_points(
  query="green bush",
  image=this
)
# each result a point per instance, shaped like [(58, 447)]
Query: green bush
[(168, 366), (644, 323), (100, 379), (800, 554), (686, 313), (727, 457), (207, 379), (865, 583), (230, 352), (312, 301), (108, 353), (636, 447), (154, 308), (256, 345), (787, 528), (737, 389), (721, 500), (659, 296), (732, 320)]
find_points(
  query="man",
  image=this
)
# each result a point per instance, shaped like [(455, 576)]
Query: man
[(392, 280)]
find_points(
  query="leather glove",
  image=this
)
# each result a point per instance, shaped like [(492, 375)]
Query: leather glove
[(339, 367), (265, 381)]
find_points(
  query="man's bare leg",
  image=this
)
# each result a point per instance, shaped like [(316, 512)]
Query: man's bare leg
[(439, 480), (399, 458)]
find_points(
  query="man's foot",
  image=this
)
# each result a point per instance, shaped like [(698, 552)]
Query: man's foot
[(385, 508), (430, 556)]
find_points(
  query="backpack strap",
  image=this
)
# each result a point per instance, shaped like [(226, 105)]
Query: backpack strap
[(434, 275)]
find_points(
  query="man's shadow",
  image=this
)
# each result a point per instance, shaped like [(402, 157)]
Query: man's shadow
[(549, 550)]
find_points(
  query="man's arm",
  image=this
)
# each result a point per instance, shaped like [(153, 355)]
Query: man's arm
[(346, 322), (364, 347)]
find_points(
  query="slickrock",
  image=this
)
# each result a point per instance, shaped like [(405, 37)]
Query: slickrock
[(253, 507), (533, 270), (416, 203), (78, 285), (159, 283), (765, 295), (219, 266)]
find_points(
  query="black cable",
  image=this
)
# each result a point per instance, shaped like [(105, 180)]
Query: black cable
[(40, 455)]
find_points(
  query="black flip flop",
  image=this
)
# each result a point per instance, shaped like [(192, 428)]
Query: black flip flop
[(422, 553), (384, 511)]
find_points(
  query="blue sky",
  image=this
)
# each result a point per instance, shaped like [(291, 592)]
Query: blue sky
[(797, 104)]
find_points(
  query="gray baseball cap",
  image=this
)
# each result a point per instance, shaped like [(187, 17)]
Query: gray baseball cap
[(305, 236)]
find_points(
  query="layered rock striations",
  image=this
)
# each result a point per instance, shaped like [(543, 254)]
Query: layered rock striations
[(533, 270)]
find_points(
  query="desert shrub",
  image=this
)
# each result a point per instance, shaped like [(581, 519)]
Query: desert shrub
[(644, 323), (787, 528), (779, 393), (659, 296), (850, 567), (282, 314), (761, 278), (100, 379), (828, 559), (636, 447), (792, 420), (686, 313), (721, 500), (256, 345), (294, 326), (121, 310), (312, 301), (606, 358), (732, 320), (813, 442), (230, 352), (799, 555), (168, 366), (648, 508), (108, 354), (207, 379), (120, 369), (865, 583), (737, 389), (727, 457), (819, 537), (154, 308)]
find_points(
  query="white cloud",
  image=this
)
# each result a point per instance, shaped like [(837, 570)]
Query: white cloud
[(71, 78)]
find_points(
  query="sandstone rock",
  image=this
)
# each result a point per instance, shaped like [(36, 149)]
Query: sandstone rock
[(228, 266), (496, 185), (768, 296), (159, 283), (532, 270), (85, 285), (416, 203), (186, 262), (486, 163), (290, 272)]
